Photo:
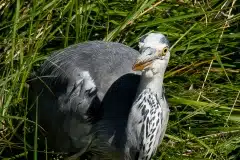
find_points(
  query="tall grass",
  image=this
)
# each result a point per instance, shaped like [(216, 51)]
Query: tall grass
[(202, 81)]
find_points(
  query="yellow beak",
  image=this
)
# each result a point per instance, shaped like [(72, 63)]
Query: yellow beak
[(139, 66)]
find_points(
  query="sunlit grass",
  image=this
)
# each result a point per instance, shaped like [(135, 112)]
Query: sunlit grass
[(202, 81)]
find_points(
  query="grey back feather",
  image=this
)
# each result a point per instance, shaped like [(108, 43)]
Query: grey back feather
[(70, 85)]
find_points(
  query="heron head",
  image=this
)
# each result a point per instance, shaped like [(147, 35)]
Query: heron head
[(154, 53)]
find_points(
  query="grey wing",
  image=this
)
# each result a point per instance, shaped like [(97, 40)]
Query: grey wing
[(66, 101), (105, 61), (76, 79), (72, 89), (74, 76), (80, 92)]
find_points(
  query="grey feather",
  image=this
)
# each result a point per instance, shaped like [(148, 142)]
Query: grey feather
[(70, 85)]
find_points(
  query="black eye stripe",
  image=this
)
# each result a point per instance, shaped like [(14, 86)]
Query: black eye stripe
[(164, 41), (142, 38)]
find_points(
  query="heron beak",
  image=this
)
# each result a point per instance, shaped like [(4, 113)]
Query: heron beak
[(139, 66), (145, 59)]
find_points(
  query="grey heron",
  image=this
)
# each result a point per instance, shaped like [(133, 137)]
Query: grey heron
[(135, 109), (94, 80)]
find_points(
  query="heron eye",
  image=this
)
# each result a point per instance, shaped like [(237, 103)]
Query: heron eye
[(164, 51)]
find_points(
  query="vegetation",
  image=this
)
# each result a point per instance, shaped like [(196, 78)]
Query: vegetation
[(202, 82)]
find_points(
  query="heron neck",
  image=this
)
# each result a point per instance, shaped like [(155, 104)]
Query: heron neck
[(155, 83)]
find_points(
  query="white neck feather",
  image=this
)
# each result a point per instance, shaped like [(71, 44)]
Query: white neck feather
[(153, 82)]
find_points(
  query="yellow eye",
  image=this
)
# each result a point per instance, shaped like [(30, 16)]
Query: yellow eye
[(164, 51)]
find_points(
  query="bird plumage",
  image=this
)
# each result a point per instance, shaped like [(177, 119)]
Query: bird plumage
[(149, 114), (88, 92), (148, 125), (131, 112), (70, 85)]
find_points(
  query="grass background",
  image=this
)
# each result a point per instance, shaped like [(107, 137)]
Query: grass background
[(202, 81)]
